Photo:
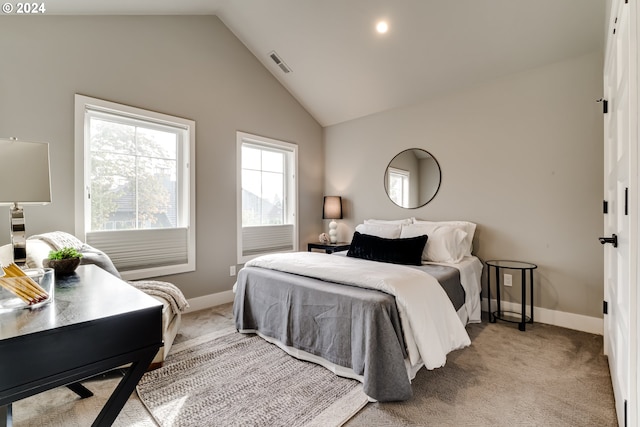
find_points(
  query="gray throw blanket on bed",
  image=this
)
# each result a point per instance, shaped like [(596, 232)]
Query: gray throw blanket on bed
[(165, 290)]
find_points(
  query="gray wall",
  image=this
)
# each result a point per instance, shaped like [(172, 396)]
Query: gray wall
[(429, 179), (187, 66), (521, 156)]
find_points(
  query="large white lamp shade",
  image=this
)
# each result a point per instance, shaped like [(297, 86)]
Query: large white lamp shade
[(24, 179)]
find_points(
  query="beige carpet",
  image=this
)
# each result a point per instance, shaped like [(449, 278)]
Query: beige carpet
[(546, 376)]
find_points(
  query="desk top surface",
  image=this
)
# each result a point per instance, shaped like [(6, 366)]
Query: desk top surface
[(88, 295)]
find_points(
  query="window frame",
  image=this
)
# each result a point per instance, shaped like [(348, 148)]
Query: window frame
[(291, 192), (86, 107), (406, 180)]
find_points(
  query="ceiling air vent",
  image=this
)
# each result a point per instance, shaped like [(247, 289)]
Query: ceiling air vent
[(279, 62)]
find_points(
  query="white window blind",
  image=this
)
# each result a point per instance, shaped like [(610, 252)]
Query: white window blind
[(258, 240), (143, 249)]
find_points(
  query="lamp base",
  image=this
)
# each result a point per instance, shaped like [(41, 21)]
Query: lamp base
[(333, 232), (18, 239)]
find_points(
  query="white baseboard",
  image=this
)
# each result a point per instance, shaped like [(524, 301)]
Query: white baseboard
[(208, 301), (578, 322)]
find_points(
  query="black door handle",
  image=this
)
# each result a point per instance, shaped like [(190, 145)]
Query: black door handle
[(613, 240)]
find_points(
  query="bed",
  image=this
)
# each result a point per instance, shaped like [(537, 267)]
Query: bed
[(377, 321)]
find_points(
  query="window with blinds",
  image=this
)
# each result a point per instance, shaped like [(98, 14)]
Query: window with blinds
[(136, 198), (267, 196)]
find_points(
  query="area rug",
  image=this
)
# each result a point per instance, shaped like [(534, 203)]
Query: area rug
[(232, 379)]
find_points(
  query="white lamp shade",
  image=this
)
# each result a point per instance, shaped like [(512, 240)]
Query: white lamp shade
[(24, 172)]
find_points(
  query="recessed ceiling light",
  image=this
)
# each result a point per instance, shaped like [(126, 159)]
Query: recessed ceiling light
[(382, 27)]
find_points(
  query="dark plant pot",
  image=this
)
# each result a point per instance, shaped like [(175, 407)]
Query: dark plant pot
[(62, 267)]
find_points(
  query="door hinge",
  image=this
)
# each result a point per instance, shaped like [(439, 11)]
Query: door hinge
[(605, 307), (605, 207), (605, 105)]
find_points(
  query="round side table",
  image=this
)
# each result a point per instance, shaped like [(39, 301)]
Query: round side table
[(508, 316)]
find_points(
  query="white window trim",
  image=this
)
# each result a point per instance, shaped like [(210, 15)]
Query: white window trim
[(82, 103), (292, 196), (405, 193)]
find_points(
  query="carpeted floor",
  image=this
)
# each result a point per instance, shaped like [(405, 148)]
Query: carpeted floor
[(546, 376)]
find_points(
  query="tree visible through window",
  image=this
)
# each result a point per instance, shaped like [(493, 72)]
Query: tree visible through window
[(263, 192), (133, 176)]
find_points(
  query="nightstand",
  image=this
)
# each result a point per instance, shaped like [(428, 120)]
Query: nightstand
[(520, 318), (329, 247)]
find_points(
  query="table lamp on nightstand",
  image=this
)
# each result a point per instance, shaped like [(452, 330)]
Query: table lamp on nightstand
[(332, 209), (24, 179)]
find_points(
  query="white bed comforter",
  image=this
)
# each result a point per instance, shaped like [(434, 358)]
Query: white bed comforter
[(430, 324)]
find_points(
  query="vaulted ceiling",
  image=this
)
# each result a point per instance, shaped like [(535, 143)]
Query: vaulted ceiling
[(342, 69)]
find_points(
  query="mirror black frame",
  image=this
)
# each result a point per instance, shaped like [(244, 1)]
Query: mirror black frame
[(428, 197)]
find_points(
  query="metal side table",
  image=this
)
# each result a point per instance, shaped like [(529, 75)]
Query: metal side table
[(520, 318)]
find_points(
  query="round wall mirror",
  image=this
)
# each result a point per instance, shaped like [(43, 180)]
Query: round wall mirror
[(412, 178)]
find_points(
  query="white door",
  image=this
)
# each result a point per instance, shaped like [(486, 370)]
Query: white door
[(621, 191)]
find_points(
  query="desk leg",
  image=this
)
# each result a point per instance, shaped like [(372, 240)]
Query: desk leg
[(523, 286), (6, 417), (80, 390), (125, 387)]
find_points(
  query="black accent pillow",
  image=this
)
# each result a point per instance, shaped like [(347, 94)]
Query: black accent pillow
[(396, 251)]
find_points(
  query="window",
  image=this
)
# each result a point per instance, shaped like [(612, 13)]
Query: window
[(399, 187), (135, 187), (267, 196)]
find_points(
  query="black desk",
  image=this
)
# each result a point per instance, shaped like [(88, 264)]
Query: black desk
[(507, 315), (96, 322)]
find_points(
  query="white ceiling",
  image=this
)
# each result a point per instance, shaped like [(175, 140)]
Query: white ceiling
[(343, 69)]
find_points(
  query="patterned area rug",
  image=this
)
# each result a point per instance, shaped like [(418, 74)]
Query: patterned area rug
[(231, 379)]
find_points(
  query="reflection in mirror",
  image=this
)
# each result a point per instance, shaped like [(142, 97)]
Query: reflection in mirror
[(412, 178)]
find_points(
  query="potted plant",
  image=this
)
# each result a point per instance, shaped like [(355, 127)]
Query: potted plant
[(64, 261)]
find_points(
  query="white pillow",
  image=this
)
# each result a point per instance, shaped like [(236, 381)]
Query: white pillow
[(6, 255), (388, 231), (389, 221), (444, 243), (466, 226), (37, 250)]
